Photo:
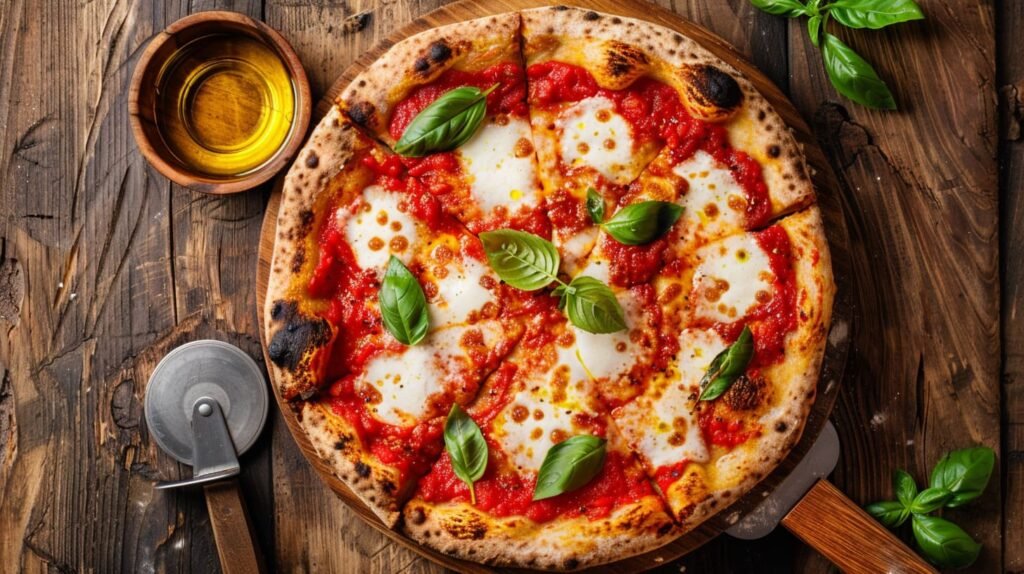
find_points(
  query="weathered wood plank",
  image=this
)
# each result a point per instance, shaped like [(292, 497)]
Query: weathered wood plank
[(920, 187), (1009, 36)]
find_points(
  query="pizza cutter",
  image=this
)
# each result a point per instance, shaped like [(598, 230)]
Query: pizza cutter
[(810, 507), (206, 403)]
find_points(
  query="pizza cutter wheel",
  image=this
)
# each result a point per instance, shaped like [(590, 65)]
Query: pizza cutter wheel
[(206, 403)]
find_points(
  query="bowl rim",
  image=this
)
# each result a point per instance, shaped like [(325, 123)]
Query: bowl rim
[(197, 181)]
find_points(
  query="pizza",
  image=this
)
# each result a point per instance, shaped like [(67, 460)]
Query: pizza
[(549, 288)]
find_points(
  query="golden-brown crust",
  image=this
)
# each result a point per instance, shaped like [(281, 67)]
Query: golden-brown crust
[(294, 336), (459, 529), (472, 45), (379, 486)]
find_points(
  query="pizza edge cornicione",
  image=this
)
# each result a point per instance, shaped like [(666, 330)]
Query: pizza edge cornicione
[(300, 335)]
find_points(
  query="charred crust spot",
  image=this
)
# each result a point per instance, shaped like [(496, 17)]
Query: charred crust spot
[(361, 113), (664, 529), (715, 87), (781, 426), (277, 309), (624, 59), (421, 65), (761, 115), (298, 335), (616, 20), (298, 260), (341, 443), (362, 469), (745, 393), (774, 151), (677, 38), (362, 83), (312, 160), (439, 52), (467, 528), (591, 16), (389, 487), (417, 517), (571, 563), (561, 8)]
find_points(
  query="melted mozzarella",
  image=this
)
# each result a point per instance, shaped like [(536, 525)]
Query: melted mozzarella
[(459, 293), (376, 229), (574, 248), (609, 355), (500, 162), (527, 441), (735, 272), (407, 379), (593, 135), (712, 192), (405, 382)]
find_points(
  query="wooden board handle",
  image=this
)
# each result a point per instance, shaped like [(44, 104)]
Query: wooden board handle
[(837, 528), (232, 529)]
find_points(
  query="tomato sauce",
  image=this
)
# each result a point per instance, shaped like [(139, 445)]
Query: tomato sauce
[(508, 98), (719, 428), (665, 476), (501, 492), (635, 264), (655, 112)]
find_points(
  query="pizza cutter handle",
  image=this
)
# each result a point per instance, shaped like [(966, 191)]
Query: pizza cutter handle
[(840, 530), (232, 529)]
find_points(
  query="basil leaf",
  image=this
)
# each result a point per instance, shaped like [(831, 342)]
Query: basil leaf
[(929, 500), (853, 77), (466, 447), (788, 8), (521, 259), (403, 307), (591, 306), (642, 222), (569, 465), (890, 512), (944, 543), (965, 473), (595, 206), (814, 28), (874, 14), (727, 366), (448, 122), (904, 486)]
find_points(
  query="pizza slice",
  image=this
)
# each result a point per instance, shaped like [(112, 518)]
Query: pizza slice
[(490, 181), (539, 398), (372, 402), (775, 285)]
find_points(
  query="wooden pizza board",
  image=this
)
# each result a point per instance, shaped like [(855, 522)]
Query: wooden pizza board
[(827, 189)]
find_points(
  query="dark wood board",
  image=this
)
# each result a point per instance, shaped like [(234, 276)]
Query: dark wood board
[(105, 266), (825, 184)]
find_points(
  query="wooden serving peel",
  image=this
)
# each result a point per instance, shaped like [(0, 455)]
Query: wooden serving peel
[(810, 507), (206, 403)]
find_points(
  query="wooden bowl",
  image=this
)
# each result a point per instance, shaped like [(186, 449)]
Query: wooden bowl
[(143, 92)]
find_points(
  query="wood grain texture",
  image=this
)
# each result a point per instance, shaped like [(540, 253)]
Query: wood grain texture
[(825, 519), (232, 529), (105, 266)]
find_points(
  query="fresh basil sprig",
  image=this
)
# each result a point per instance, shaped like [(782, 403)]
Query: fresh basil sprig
[(403, 306), (959, 477), (943, 542), (569, 465), (965, 473), (445, 124), (466, 448), (523, 260), (528, 262), (635, 224), (727, 366), (851, 74), (591, 305)]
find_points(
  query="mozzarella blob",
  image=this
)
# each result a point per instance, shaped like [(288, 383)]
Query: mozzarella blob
[(594, 135), (499, 159), (376, 228), (734, 276), (713, 196), (662, 424), (459, 293)]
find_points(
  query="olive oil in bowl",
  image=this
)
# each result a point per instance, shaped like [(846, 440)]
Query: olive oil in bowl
[(225, 105)]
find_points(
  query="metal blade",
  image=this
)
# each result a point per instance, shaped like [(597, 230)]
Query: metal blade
[(816, 464)]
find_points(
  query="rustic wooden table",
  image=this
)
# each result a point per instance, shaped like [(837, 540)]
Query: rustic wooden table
[(105, 266)]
